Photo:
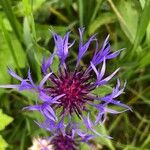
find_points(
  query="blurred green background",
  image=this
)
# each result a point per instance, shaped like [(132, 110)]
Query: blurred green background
[(25, 38)]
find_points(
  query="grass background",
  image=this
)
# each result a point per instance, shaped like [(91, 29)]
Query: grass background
[(25, 38)]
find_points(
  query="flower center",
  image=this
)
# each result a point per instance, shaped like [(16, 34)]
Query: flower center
[(75, 86), (61, 142), (71, 88)]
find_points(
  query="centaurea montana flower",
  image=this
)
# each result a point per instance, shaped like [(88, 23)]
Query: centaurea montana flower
[(70, 139), (70, 92)]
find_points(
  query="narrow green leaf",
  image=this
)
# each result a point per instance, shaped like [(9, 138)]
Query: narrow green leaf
[(126, 12), (104, 140), (146, 142), (22, 145), (142, 2), (104, 18), (11, 17), (59, 15), (30, 41), (9, 43), (81, 15), (96, 10), (142, 25), (145, 61)]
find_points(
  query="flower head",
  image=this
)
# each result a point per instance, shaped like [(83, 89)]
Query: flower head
[(70, 138), (66, 140), (70, 92)]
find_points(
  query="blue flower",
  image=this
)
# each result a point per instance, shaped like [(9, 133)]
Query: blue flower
[(71, 91), (70, 139)]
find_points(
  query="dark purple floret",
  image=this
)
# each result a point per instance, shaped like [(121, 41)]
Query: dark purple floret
[(61, 142), (76, 86)]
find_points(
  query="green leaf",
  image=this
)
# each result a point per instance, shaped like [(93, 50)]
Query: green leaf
[(81, 11), (55, 64), (4, 120), (146, 142), (148, 34), (31, 45), (36, 4), (12, 18), (127, 13), (142, 26), (3, 143), (142, 2), (103, 19), (145, 61), (104, 140), (7, 58), (84, 146), (10, 45), (103, 90), (27, 32), (96, 10)]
